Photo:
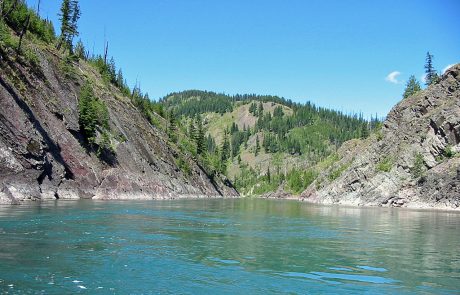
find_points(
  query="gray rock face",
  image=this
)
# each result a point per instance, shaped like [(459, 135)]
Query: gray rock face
[(413, 162), (42, 155)]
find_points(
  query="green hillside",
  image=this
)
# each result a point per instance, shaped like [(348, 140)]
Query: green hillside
[(263, 142)]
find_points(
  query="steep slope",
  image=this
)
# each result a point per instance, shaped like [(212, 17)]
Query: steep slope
[(413, 162), (44, 155)]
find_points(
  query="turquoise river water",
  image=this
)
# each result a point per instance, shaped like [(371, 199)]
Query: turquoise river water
[(226, 246)]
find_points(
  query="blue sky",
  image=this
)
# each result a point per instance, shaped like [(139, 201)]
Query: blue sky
[(337, 54)]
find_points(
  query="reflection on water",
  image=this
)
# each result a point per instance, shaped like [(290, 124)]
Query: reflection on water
[(200, 246)]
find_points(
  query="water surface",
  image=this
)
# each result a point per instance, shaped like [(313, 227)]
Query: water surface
[(227, 247)]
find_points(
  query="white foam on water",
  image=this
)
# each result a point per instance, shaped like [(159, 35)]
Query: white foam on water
[(371, 268), (81, 287), (77, 281)]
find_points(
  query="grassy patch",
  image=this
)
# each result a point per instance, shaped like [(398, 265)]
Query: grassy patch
[(264, 187), (183, 165), (448, 153), (328, 162), (385, 164), (418, 168), (336, 173)]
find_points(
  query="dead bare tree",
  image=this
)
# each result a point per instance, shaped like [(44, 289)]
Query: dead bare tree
[(23, 31), (106, 49)]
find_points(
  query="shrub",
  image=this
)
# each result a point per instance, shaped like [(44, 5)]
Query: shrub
[(337, 172), (448, 152), (31, 57), (6, 40), (385, 164), (184, 166), (66, 66), (263, 187), (298, 181), (418, 168)]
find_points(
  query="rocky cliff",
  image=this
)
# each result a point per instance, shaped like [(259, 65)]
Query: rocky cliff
[(43, 154), (412, 162)]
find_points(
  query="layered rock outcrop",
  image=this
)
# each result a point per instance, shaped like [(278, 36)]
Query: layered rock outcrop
[(414, 161), (43, 154)]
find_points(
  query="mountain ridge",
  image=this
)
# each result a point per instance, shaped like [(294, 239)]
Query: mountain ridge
[(265, 132)]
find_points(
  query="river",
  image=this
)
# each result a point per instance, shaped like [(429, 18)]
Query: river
[(226, 246)]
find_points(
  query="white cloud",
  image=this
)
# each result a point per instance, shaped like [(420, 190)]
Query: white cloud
[(393, 77), (446, 68)]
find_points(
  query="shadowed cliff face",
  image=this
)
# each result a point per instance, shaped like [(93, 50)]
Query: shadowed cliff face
[(44, 156), (413, 162)]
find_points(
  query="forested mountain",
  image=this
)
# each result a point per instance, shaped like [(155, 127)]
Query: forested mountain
[(263, 142), (72, 127)]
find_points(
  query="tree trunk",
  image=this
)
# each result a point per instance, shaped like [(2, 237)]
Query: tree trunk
[(105, 51), (24, 30)]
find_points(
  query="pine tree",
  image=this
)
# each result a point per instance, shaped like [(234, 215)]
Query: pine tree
[(225, 150), (269, 178), (172, 127), (112, 71), (431, 75), (364, 130), (278, 112), (200, 141), (64, 17), (211, 144), (69, 16), (191, 129), (76, 13), (253, 109), (260, 110), (412, 87), (80, 50), (257, 145), (92, 113), (120, 80), (233, 128)]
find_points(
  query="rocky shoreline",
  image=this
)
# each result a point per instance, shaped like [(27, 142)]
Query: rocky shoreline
[(44, 155), (413, 162), (329, 202)]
